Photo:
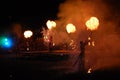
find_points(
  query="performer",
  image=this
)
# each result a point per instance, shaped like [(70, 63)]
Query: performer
[(50, 43), (81, 57)]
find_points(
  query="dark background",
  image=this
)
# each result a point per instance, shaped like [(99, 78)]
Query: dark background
[(29, 12)]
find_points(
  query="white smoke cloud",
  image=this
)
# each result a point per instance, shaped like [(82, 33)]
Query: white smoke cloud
[(105, 54)]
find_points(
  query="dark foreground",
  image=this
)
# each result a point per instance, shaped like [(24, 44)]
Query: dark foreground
[(39, 68)]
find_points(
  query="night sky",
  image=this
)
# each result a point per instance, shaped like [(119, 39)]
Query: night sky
[(35, 14), (29, 13)]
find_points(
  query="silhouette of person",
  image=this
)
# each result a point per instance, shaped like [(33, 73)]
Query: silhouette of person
[(81, 57), (50, 43)]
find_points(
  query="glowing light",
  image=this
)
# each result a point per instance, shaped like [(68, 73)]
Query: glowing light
[(70, 28), (92, 23), (89, 38), (89, 70), (93, 43), (6, 42), (89, 43), (28, 34), (50, 24), (53, 44)]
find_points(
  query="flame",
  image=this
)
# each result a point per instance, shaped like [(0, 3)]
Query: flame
[(93, 43), (50, 24), (89, 38), (47, 35), (92, 23), (89, 70), (89, 43), (70, 28), (28, 34)]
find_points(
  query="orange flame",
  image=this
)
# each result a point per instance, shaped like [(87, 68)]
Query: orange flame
[(89, 70), (93, 43), (50, 24), (70, 28), (92, 23)]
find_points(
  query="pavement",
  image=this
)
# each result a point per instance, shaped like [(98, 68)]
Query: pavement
[(56, 65)]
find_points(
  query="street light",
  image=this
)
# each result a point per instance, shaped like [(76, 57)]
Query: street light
[(27, 35), (70, 28), (50, 24)]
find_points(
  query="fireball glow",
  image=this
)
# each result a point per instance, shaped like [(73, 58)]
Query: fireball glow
[(70, 28), (28, 34), (50, 24), (92, 23)]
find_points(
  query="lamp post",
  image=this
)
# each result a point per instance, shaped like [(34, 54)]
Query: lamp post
[(27, 35)]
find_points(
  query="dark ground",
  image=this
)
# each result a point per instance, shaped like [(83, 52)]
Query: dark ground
[(38, 68)]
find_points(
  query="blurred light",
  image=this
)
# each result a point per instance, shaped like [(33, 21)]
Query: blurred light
[(89, 38), (89, 43), (6, 42), (89, 70), (50, 24), (70, 28), (28, 34)]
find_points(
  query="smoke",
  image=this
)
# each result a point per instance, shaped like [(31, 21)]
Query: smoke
[(17, 30), (105, 54), (78, 12)]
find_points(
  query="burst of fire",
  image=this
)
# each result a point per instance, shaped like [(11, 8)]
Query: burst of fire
[(89, 41), (70, 28), (92, 23), (89, 38), (46, 34), (50, 24), (28, 34)]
